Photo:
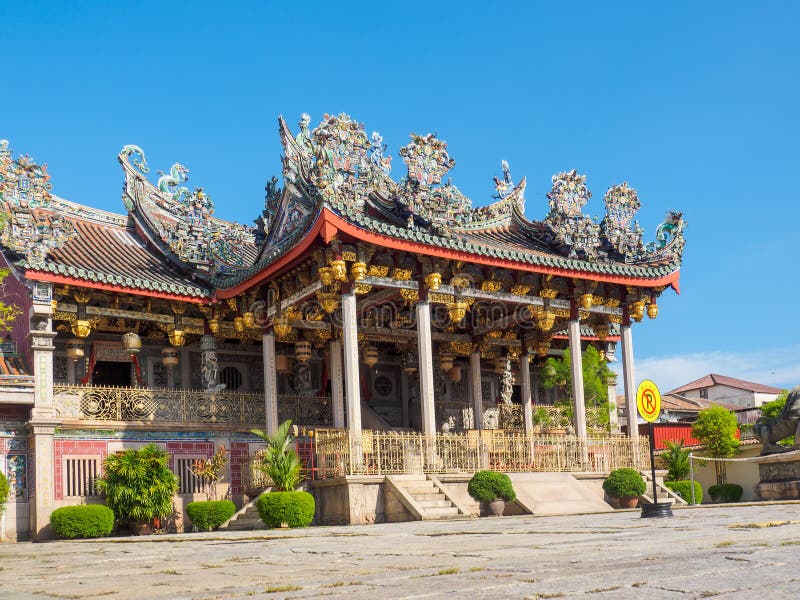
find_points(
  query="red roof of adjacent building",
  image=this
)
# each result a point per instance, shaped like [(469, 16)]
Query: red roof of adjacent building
[(713, 379)]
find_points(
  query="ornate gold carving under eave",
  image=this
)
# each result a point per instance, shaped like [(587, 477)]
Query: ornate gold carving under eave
[(440, 298), (548, 293), (520, 289), (401, 274), (363, 288), (433, 280), (491, 286), (615, 319), (378, 270), (462, 348), (409, 296), (358, 270)]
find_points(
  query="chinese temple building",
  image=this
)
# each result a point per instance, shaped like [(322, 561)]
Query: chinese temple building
[(399, 326)]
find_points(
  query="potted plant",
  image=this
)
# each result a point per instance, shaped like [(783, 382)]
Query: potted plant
[(139, 486), (626, 485), (492, 488)]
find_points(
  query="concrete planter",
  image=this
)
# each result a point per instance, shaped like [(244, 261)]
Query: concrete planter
[(496, 507)]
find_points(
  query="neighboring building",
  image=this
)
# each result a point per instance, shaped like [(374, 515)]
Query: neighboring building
[(358, 301), (727, 391)]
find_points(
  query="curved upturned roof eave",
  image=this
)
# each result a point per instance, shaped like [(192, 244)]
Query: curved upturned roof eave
[(327, 224)]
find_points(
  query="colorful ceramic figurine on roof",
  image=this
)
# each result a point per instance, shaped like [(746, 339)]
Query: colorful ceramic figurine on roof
[(359, 300)]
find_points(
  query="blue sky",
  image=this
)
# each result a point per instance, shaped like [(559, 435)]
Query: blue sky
[(693, 103)]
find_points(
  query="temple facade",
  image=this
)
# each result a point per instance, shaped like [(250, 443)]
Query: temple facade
[(379, 313)]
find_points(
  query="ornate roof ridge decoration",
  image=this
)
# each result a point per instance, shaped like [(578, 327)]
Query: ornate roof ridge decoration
[(87, 213), (622, 236), (617, 238), (566, 228), (181, 222), (33, 229)]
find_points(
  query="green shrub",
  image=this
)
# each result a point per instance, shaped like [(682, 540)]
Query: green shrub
[(727, 492), (138, 484), (486, 486), (4, 491), (622, 483), (684, 490), (211, 514), (86, 521), (296, 509)]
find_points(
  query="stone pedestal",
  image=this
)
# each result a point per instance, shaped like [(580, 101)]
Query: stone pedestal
[(780, 477)]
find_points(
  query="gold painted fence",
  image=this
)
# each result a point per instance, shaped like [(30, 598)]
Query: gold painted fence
[(400, 453)]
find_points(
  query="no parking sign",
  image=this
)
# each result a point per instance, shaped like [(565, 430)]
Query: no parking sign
[(648, 401)]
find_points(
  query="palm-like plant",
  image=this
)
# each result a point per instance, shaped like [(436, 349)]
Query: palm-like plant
[(138, 484), (280, 462), (676, 460)]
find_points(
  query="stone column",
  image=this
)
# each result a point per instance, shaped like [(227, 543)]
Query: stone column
[(43, 420), (270, 382), (613, 416), (352, 384), (209, 366), (527, 407), (337, 383), (426, 367), (628, 378), (576, 360), (475, 389)]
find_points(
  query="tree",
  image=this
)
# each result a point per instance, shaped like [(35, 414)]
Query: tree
[(557, 372), (716, 429), (280, 462), (8, 312)]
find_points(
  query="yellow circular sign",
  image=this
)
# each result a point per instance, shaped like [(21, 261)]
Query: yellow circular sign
[(648, 400)]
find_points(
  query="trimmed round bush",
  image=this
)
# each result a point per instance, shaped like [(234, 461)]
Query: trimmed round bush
[(684, 490), (727, 492), (211, 514), (86, 521), (624, 483), (295, 509), (487, 486)]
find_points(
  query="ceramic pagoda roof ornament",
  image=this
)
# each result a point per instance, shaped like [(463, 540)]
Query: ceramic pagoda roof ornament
[(183, 221), (621, 234), (567, 228), (32, 230)]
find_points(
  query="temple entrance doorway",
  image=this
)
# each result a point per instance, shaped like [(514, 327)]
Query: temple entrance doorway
[(111, 374)]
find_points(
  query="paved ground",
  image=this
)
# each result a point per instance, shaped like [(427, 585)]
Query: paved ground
[(728, 552)]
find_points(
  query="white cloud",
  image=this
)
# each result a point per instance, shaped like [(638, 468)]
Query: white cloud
[(779, 367)]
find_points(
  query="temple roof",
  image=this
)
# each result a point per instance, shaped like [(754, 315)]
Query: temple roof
[(337, 179), (110, 252)]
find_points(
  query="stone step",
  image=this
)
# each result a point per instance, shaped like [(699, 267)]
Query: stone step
[(428, 496), (421, 486), (244, 527), (438, 513), (426, 504), (246, 520)]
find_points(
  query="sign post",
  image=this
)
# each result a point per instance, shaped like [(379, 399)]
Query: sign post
[(648, 403)]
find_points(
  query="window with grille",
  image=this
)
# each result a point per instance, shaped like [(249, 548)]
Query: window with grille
[(189, 483), (79, 476)]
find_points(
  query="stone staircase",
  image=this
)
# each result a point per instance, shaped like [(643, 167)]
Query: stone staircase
[(245, 520), (425, 497)]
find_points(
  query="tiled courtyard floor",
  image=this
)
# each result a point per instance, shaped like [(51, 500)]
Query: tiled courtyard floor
[(727, 552)]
